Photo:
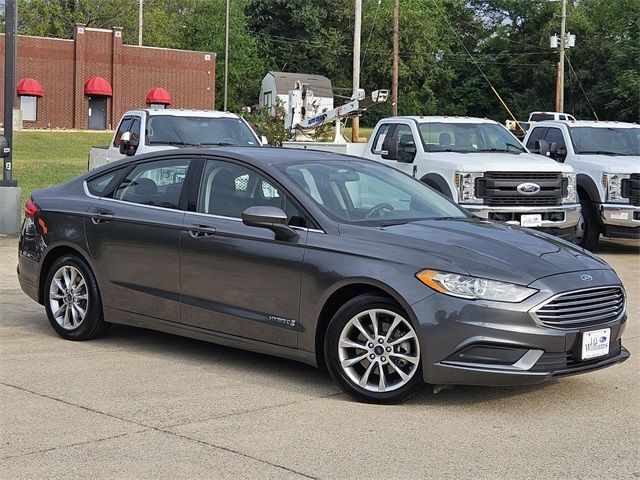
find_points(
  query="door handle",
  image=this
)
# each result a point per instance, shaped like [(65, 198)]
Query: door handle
[(100, 215), (199, 230)]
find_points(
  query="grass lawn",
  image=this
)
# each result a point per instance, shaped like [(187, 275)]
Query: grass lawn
[(44, 158)]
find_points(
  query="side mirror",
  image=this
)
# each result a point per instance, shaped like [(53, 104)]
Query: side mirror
[(543, 148), (390, 149), (264, 140), (128, 144), (4, 147), (272, 218)]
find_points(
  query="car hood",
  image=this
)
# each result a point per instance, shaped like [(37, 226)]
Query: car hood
[(500, 162), (484, 249), (621, 164)]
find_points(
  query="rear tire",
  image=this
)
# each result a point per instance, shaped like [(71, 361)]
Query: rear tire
[(588, 229), (372, 350), (72, 300)]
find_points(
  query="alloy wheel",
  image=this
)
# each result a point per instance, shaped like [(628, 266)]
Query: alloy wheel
[(68, 297), (379, 351)]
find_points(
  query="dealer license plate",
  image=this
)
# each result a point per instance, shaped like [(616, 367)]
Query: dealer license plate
[(531, 220), (595, 343)]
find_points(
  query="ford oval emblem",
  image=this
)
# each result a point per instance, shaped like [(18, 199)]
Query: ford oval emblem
[(528, 188), (586, 278)]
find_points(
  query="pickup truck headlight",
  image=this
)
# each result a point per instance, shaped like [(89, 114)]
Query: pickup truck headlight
[(474, 288), (572, 196), (466, 185), (612, 183)]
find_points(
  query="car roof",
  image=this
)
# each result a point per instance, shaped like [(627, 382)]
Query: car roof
[(443, 119), (181, 112), (274, 155), (587, 123)]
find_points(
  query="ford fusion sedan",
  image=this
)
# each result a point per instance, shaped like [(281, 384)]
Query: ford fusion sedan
[(322, 258)]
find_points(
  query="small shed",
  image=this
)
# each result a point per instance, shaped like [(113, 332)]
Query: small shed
[(276, 86)]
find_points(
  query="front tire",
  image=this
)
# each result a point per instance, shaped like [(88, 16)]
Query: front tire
[(372, 350), (588, 227), (72, 300)]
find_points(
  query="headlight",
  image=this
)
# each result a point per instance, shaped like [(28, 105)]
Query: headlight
[(612, 183), (572, 196), (474, 288), (466, 185)]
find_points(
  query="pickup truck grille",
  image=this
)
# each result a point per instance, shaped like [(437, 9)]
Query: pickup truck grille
[(501, 188), (582, 308), (631, 189)]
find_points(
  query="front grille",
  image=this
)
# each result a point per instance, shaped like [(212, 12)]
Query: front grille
[(556, 362), (501, 188), (631, 189), (582, 308)]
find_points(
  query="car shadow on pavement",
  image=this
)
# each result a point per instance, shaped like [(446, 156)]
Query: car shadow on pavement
[(618, 246)]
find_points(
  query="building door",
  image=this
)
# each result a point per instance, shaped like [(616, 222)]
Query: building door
[(97, 113)]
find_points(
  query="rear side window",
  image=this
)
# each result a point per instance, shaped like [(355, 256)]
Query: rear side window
[(100, 186), (380, 136), (158, 183)]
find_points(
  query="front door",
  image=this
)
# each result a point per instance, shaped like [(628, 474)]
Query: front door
[(97, 113), (134, 238), (237, 279)]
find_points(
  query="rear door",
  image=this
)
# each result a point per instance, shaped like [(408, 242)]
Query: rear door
[(133, 234), (236, 279)]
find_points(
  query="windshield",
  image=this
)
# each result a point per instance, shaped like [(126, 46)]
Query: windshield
[(369, 194), (605, 141), (198, 131), (468, 138)]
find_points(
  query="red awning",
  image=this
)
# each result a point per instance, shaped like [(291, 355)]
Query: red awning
[(98, 86), (29, 86), (159, 95)]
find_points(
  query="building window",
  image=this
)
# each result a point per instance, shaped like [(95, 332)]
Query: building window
[(29, 107)]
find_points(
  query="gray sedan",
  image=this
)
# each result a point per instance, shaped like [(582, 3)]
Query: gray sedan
[(326, 259)]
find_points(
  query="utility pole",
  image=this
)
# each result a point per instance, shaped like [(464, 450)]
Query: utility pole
[(226, 55), (355, 122), (396, 54), (140, 23), (10, 28), (563, 41)]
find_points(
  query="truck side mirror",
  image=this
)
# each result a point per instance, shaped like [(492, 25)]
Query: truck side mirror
[(390, 149), (128, 144), (4, 147), (542, 147)]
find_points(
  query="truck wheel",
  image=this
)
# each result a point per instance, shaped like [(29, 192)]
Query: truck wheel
[(588, 229)]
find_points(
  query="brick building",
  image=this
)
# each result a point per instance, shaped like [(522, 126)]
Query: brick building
[(90, 81)]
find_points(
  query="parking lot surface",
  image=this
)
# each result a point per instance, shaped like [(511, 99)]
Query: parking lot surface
[(141, 404)]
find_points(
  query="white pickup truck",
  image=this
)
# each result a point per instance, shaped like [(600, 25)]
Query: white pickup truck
[(477, 163), (606, 159), (149, 130)]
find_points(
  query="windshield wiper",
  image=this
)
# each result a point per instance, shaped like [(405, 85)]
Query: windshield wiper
[(175, 144), (216, 144), (601, 152), (516, 149)]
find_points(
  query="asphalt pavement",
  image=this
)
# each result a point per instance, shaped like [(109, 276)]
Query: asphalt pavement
[(141, 404)]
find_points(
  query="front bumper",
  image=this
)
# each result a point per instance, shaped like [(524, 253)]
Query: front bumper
[(553, 217), (494, 343), (620, 215)]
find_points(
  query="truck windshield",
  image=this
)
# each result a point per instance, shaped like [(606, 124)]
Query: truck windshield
[(468, 138), (198, 131), (367, 193), (605, 141)]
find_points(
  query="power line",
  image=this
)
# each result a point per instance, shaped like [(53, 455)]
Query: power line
[(580, 85)]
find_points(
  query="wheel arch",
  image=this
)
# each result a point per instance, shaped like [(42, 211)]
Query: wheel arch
[(438, 182), (340, 295), (51, 256), (588, 186)]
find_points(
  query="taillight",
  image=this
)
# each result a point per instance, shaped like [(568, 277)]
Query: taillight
[(31, 209)]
